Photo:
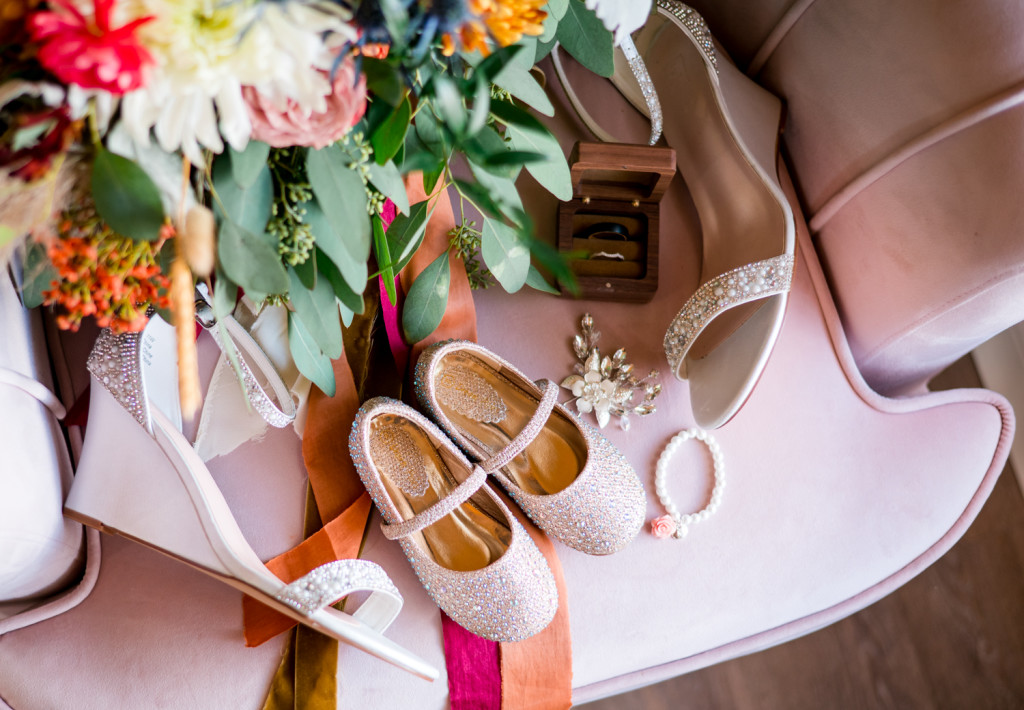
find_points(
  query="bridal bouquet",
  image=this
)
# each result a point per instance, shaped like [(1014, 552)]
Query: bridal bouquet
[(148, 145)]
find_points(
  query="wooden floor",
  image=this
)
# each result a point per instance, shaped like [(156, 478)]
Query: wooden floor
[(953, 637)]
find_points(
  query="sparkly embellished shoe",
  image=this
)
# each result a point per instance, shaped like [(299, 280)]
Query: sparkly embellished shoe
[(153, 488), (571, 481), (474, 559), (725, 129)]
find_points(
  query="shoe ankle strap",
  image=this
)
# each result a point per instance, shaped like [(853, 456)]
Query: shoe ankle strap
[(529, 432), (34, 389), (456, 497)]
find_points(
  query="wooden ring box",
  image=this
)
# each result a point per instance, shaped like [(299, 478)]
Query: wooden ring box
[(620, 184)]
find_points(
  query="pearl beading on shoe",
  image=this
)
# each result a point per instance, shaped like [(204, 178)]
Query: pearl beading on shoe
[(683, 522), (733, 288), (114, 361), (330, 582), (695, 26)]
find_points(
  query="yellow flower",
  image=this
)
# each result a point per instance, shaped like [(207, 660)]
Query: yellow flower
[(504, 20)]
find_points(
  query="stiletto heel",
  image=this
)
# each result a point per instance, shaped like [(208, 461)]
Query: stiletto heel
[(724, 128), (157, 491)]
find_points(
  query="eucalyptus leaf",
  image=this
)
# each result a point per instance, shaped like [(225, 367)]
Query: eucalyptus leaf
[(38, 275), (306, 271), (449, 103), (506, 255), (429, 131), (247, 164), (427, 300), (484, 149), (584, 36), (250, 260), (502, 190), (317, 310), (249, 208), (225, 295), (405, 234), (535, 281), (340, 193), (480, 197), (558, 8), (544, 48), (490, 67), (549, 33), (481, 107), (430, 178), (388, 182), (553, 173), (383, 254), (308, 357), (520, 83), (125, 196), (390, 135), (352, 267), (383, 80), (352, 301), (512, 115), (347, 316)]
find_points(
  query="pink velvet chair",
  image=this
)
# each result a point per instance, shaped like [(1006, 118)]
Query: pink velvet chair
[(904, 146)]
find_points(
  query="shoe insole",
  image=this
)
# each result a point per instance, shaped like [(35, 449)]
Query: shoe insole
[(487, 405), (416, 476), (741, 219)]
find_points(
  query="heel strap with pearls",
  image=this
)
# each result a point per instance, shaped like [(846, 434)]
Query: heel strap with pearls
[(733, 288)]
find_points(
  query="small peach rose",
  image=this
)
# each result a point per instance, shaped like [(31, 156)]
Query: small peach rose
[(663, 527)]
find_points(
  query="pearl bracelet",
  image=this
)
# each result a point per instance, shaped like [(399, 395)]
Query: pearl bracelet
[(675, 524)]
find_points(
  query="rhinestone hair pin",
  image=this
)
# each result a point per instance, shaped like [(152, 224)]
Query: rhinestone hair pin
[(606, 385)]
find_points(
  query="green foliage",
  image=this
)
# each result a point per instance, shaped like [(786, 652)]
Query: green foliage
[(125, 196), (427, 300), (38, 275), (584, 36)]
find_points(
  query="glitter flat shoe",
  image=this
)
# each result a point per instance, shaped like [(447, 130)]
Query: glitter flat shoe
[(473, 557), (725, 130), (141, 479), (571, 481)]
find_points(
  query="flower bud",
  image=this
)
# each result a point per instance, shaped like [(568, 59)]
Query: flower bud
[(198, 240)]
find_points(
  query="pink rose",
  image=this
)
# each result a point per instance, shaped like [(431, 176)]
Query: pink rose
[(663, 527), (293, 126)]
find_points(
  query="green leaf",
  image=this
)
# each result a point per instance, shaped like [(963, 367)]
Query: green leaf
[(317, 310), (380, 248), (480, 197), (249, 207), (584, 37), (342, 197), (512, 157), (30, 135), (481, 107), (430, 178), (308, 357), (486, 145), (505, 254), (390, 135), (553, 173), (502, 190), (352, 301), (352, 268), (535, 281), (247, 164), (383, 80), (549, 33), (449, 103), (544, 49), (492, 66), (38, 275), (429, 131), (558, 8), (306, 271), (388, 182), (225, 295), (427, 300), (249, 260), (405, 234), (520, 83), (126, 197), (512, 115)]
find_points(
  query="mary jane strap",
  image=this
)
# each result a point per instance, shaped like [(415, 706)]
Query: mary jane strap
[(529, 432), (456, 497)]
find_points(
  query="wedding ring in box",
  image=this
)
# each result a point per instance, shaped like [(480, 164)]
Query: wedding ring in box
[(610, 227)]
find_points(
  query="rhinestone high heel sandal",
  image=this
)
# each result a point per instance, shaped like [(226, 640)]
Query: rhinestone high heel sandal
[(725, 129), (474, 558), (153, 488), (571, 481)]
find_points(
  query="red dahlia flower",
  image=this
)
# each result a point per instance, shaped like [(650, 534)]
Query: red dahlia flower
[(88, 51)]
